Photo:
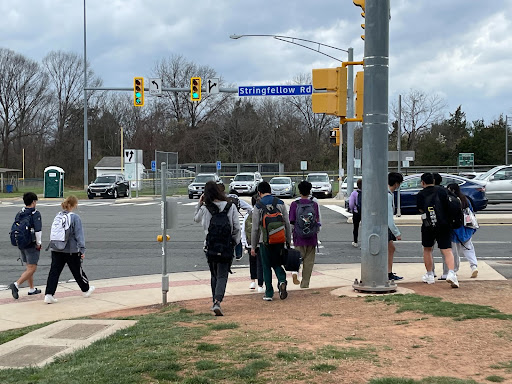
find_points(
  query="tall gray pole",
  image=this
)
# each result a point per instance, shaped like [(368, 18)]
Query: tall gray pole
[(374, 273), (506, 140), (164, 213), (350, 126), (399, 149), (86, 149)]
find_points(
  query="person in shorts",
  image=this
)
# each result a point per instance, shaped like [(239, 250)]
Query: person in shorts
[(435, 227), (30, 254)]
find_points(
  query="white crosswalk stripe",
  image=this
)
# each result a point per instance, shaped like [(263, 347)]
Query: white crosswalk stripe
[(339, 209)]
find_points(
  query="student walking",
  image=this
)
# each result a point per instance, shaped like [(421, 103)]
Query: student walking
[(69, 249), (394, 181), (270, 232), (305, 218), (219, 219), (255, 267), (354, 206), (433, 203), (29, 225), (461, 237)]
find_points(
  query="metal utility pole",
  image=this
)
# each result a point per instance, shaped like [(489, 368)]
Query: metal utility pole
[(399, 149), (374, 255), (350, 125), (164, 213), (506, 140), (86, 143)]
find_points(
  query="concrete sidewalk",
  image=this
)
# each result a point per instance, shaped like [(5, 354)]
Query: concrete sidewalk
[(130, 292)]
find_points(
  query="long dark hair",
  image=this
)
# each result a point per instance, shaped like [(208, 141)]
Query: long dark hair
[(454, 187), (212, 192)]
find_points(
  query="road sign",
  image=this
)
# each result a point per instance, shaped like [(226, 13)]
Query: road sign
[(275, 90), (155, 87), (219, 165), (303, 165), (130, 171), (153, 165), (131, 155), (466, 159), (212, 85)]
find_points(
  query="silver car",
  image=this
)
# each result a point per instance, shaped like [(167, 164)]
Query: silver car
[(282, 186), (498, 184), (321, 184)]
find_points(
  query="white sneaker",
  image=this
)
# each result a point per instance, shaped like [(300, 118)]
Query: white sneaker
[(355, 245), (90, 291), (261, 289), (252, 285), (452, 279), (474, 271), (49, 299), (429, 279)]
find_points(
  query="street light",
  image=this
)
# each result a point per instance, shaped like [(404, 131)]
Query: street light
[(350, 103)]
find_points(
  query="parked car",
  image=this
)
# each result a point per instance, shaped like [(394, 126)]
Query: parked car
[(196, 187), (245, 183), (282, 186), (111, 185), (474, 190), (321, 184), (498, 184), (344, 185)]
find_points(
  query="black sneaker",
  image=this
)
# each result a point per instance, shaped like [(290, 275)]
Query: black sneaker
[(393, 276), (282, 290), (216, 309), (36, 292), (14, 290), (239, 257)]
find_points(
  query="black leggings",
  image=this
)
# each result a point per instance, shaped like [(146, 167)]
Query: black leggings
[(356, 219), (74, 262)]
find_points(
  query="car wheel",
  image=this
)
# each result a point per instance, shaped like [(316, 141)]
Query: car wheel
[(190, 196), (115, 194), (90, 196)]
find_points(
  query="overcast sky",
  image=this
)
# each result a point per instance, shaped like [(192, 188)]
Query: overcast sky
[(458, 49)]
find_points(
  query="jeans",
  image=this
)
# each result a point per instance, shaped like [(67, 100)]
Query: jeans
[(219, 279), (269, 256), (356, 219)]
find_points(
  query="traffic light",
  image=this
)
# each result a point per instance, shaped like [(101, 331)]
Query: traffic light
[(330, 103), (334, 137), (138, 91), (195, 89), (359, 92), (360, 3)]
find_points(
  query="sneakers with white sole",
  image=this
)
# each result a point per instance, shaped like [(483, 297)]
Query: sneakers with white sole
[(354, 244), (429, 279), (90, 291), (452, 279), (216, 309), (49, 299), (252, 285), (474, 271), (261, 289)]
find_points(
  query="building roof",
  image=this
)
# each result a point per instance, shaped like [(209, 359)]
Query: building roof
[(5, 170), (109, 162)]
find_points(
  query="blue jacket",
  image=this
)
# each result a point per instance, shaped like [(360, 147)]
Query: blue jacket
[(463, 234)]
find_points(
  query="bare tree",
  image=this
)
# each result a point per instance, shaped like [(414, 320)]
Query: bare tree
[(23, 99), (419, 112)]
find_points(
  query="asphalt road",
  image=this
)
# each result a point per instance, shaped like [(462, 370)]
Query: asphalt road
[(121, 241)]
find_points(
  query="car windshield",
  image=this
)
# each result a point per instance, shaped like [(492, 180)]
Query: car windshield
[(318, 178), (105, 179), (280, 181), (203, 178), (485, 175), (244, 178)]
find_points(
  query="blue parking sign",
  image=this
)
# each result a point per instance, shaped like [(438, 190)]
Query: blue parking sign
[(219, 165), (153, 165)]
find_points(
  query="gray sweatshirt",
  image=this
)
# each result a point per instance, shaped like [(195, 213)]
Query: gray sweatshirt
[(76, 240), (204, 216)]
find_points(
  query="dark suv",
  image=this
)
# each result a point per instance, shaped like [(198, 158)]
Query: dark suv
[(111, 185)]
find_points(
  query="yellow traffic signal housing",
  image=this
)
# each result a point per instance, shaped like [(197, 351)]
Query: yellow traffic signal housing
[(360, 3), (334, 137), (195, 89), (330, 79), (359, 92), (138, 91)]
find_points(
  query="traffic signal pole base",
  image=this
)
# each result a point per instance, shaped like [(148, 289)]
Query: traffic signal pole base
[(359, 286)]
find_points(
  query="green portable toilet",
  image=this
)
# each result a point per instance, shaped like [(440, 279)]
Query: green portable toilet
[(53, 182)]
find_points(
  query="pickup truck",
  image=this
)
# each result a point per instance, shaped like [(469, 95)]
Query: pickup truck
[(109, 186)]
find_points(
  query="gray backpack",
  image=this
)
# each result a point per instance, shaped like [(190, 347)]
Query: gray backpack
[(306, 225)]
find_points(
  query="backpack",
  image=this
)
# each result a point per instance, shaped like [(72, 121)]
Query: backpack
[(272, 223), (248, 229), (306, 225), (358, 201), (234, 200), (219, 243), (455, 212), (60, 230), (22, 231)]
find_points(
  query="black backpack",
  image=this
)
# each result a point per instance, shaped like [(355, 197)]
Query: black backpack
[(219, 243), (359, 200), (455, 214), (22, 231)]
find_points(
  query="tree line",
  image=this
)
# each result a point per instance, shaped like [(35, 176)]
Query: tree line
[(41, 111)]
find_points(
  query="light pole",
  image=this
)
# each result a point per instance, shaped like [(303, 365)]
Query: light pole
[(350, 102), (86, 143)]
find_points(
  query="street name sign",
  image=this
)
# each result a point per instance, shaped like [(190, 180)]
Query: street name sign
[(275, 90)]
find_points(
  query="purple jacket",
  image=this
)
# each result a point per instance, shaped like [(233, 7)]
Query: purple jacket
[(352, 201), (299, 241)]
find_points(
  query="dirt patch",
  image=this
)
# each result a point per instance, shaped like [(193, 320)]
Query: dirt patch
[(409, 344)]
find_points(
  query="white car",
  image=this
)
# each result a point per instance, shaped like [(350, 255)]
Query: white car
[(498, 184), (344, 185), (245, 183), (321, 184)]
